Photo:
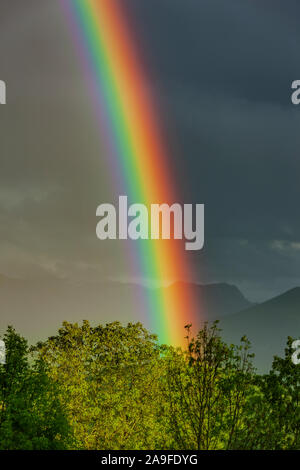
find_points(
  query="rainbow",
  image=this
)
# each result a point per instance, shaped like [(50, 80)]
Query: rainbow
[(129, 124)]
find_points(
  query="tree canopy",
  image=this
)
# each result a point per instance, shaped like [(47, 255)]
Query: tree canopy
[(115, 387)]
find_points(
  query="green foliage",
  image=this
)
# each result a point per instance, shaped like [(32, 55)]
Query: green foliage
[(110, 383), (116, 388), (271, 416), (31, 417), (282, 389), (207, 388)]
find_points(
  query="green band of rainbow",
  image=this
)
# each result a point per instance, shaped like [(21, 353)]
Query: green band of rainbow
[(135, 143)]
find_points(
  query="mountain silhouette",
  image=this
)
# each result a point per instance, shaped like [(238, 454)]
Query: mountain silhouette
[(267, 325), (37, 308), (216, 300)]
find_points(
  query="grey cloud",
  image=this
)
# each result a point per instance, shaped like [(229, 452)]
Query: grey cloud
[(222, 72)]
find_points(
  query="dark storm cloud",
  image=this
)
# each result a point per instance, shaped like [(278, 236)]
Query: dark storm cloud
[(52, 162), (222, 71), (248, 49)]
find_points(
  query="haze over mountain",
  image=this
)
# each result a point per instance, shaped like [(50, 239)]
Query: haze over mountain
[(267, 325), (37, 308), (218, 299)]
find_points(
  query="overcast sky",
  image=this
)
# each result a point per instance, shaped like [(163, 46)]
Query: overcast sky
[(222, 71)]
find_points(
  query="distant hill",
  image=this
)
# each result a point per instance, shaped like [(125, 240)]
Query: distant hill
[(37, 308), (267, 325), (218, 300)]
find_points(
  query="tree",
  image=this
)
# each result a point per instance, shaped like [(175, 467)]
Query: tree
[(109, 378), (119, 389), (207, 390), (273, 414), (31, 416)]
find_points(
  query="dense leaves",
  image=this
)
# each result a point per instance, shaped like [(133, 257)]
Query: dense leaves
[(207, 389), (110, 384), (31, 415), (115, 387)]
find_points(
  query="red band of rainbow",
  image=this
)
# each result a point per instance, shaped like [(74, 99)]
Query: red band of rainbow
[(128, 122)]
